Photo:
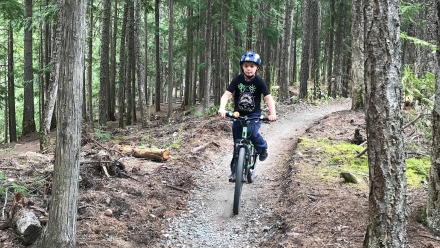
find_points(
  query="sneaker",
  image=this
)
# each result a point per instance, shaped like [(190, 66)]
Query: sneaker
[(263, 154), (232, 177)]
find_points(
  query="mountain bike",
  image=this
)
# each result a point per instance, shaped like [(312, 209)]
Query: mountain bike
[(245, 156)]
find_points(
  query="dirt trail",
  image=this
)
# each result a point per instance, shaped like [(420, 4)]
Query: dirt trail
[(209, 222)]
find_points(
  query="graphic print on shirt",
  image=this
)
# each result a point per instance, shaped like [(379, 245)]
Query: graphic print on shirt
[(246, 100)]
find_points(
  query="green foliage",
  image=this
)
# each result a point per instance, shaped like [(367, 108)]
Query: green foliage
[(101, 135), (418, 42), (11, 10), (341, 156), (420, 89), (417, 170), (409, 11), (22, 187)]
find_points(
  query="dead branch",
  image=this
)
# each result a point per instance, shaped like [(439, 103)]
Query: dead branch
[(96, 142), (178, 188), (4, 205), (405, 126), (125, 174), (411, 122), (194, 150)]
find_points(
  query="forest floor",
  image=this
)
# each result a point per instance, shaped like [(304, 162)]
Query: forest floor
[(145, 197)]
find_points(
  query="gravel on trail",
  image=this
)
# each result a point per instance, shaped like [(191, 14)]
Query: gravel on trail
[(209, 221)]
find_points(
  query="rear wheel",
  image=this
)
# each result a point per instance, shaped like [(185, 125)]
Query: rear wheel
[(239, 180)]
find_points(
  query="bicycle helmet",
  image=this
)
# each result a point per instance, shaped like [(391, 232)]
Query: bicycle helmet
[(250, 57)]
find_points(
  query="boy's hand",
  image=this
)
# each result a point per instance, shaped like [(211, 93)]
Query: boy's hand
[(272, 117), (222, 113)]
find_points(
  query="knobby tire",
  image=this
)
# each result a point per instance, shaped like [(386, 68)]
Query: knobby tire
[(239, 179), (251, 172)]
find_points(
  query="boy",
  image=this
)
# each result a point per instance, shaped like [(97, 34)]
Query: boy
[(247, 89)]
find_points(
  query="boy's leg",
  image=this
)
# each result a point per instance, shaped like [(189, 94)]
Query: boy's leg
[(258, 141)]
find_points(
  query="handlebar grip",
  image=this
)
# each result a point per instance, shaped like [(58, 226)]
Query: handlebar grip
[(264, 118), (232, 114)]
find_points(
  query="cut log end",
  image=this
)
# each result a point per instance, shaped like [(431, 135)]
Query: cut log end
[(27, 226)]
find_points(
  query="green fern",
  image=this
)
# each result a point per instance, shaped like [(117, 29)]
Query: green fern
[(421, 89)]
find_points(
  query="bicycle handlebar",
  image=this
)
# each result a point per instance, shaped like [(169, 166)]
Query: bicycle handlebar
[(236, 115)]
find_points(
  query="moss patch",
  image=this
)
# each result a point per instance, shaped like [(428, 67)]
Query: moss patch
[(336, 156)]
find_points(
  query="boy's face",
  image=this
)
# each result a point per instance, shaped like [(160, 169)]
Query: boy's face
[(249, 68)]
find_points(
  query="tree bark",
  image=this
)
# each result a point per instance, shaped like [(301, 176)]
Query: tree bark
[(331, 35), (357, 55), (315, 26), (113, 45), (285, 55), (49, 105), (122, 68), (150, 153), (139, 65), (28, 124), (11, 87), (433, 203), (388, 202), (170, 60), (208, 61), (156, 39), (104, 85), (131, 66), (304, 74), (61, 227), (339, 53), (90, 67), (24, 222)]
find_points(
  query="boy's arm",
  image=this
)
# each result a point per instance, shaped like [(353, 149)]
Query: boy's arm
[(223, 101), (271, 104)]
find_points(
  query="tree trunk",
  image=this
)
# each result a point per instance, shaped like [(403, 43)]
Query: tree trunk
[(90, 67), (331, 35), (28, 124), (140, 66), (304, 77), (208, 61), (433, 203), (189, 60), (426, 59), (131, 114), (357, 55), (286, 48), (61, 227), (315, 25), (122, 68), (388, 204), (104, 85), (338, 62), (156, 39), (49, 105), (11, 87), (249, 29), (170, 61), (113, 45)]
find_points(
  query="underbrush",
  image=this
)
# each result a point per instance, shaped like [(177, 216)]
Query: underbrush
[(336, 156)]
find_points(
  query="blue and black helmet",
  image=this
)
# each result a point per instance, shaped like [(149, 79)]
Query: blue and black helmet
[(250, 57)]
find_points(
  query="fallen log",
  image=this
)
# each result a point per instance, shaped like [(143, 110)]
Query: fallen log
[(150, 153), (24, 222)]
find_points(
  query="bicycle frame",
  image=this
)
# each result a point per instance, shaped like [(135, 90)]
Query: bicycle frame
[(245, 157)]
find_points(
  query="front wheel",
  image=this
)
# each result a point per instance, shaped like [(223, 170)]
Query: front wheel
[(251, 166), (239, 179)]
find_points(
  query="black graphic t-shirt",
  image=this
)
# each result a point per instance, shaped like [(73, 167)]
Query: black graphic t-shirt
[(247, 95)]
